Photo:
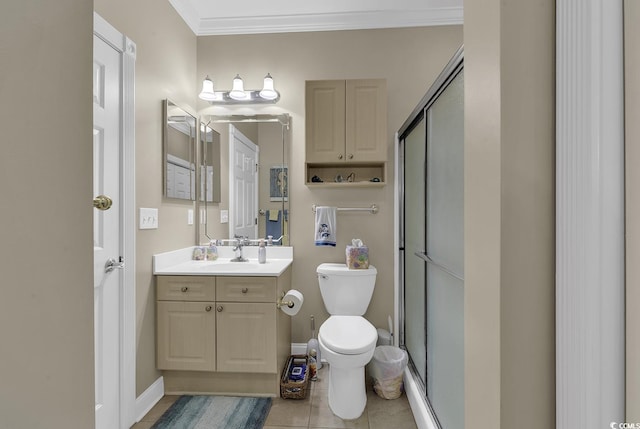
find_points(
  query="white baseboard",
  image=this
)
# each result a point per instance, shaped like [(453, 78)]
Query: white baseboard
[(150, 397)]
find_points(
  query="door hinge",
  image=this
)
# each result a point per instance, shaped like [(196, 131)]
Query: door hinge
[(256, 221)]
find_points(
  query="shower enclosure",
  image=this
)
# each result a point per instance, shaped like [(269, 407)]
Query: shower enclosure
[(431, 246)]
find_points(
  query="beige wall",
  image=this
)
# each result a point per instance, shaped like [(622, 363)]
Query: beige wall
[(165, 68), (509, 214), (46, 249), (632, 154), (410, 59)]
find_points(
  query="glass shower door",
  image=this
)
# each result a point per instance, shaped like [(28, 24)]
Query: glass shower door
[(432, 249), (444, 255), (414, 241)]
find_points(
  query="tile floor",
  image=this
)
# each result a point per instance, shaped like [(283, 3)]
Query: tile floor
[(314, 413)]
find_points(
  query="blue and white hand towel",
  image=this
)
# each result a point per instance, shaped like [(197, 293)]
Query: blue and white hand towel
[(325, 226)]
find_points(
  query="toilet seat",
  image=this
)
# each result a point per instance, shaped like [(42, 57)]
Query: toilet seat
[(349, 335)]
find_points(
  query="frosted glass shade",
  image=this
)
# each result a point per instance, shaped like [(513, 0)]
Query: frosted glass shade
[(237, 92), (207, 93), (268, 92)]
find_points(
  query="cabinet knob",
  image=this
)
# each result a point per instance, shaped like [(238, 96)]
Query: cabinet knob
[(208, 308), (245, 290), (184, 289), (219, 308), (350, 156), (340, 156)]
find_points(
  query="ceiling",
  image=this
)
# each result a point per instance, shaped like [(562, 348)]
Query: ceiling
[(215, 17)]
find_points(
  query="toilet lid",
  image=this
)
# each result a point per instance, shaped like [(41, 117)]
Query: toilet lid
[(349, 335)]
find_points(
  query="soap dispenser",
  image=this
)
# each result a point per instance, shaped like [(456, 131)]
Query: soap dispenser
[(262, 253)]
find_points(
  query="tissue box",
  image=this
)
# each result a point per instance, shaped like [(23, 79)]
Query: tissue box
[(357, 257)]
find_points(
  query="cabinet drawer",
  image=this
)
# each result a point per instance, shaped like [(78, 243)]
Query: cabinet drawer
[(186, 288), (246, 289)]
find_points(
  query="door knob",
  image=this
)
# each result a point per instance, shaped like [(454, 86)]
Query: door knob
[(102, 202), (219, 308), (112, 264)]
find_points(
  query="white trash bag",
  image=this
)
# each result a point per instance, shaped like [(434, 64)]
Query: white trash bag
[(387, 367)]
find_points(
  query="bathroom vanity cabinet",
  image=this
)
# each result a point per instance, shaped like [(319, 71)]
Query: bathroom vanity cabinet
[(222, 334), (346, 130)]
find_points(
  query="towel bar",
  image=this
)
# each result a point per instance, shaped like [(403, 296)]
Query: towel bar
[(373, 209)]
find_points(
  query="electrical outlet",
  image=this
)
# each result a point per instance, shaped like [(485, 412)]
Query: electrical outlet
[(224, 216), (148, 218)]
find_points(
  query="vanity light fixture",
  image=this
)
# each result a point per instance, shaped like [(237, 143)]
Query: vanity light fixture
[(238, 95)]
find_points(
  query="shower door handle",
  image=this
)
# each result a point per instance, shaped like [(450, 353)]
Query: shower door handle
[(427, 259), (423, 255)]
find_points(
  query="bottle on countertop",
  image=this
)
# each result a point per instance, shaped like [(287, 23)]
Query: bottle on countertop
[(262, 253)]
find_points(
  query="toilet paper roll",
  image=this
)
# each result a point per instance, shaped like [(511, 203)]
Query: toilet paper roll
[(294, 299)]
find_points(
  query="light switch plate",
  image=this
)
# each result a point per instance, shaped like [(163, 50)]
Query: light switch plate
[(224, 216), (190, 217), (148, 218)]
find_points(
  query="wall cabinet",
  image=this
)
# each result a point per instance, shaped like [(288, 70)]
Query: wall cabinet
[(227, 328), (346, 129)]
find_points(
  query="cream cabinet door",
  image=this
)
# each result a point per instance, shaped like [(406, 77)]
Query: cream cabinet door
[(246, 334), (186, 335), (325, 121), (366, 120)]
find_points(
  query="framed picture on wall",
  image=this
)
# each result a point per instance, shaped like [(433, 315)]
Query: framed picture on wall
[(279, 183)]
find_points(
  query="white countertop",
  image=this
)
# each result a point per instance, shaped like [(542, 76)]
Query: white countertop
[(180, 262)]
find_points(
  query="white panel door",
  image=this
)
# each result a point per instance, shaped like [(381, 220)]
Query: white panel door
[(243, 204), (107, 101)]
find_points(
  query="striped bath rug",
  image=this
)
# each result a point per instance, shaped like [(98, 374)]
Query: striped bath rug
[(215, 412)]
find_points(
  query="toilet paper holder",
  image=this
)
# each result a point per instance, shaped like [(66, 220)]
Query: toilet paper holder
[(280, 302)]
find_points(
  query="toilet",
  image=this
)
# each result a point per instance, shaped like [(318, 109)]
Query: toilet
[(347, 340)]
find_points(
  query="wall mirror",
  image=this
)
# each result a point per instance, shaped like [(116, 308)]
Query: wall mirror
[(254, 172), (179, 137)]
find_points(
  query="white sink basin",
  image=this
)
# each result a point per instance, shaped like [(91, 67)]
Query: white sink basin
[(214, 267)]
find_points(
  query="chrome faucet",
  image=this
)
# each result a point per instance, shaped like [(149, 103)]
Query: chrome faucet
[(240, 241)]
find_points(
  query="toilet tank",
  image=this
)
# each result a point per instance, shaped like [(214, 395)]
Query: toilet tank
[(346, 292)]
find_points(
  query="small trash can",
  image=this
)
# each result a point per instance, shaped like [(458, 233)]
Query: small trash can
[(387, 367)]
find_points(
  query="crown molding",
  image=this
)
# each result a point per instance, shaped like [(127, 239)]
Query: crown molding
[(317, 21)]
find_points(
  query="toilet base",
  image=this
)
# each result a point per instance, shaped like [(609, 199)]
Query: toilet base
[(347, 392)]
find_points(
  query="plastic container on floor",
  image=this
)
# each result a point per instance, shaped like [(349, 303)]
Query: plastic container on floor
[(387, 366)]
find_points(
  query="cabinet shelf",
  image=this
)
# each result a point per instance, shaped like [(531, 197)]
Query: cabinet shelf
[(345, 185), (362, 172)]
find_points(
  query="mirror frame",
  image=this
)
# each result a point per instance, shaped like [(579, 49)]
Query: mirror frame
[(284, 119)]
